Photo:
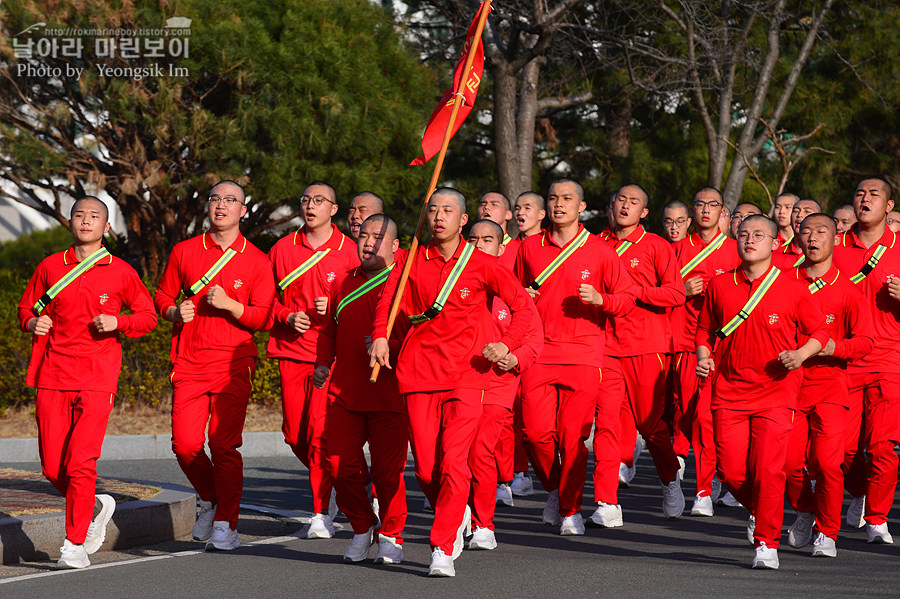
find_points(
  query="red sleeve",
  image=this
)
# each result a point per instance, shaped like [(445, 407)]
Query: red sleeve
[(258, 313), (617, 288), (501, 282), (670, 291), (33, 291), (383, 309), (142, 319), (169, 285), (708, 324), (860, 330), (530, 350)]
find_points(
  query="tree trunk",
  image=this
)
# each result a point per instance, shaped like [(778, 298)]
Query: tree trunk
[(619, 129), (505, 138), (528, 108)]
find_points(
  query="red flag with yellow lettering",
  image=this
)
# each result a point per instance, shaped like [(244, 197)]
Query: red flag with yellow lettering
[(437, 123)]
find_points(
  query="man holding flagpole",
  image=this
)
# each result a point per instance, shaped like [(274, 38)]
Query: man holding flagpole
[(445, 361)]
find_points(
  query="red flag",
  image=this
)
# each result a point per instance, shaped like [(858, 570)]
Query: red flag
[(437, 123)]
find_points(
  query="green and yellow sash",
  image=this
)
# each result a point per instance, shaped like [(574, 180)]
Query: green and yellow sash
[(744, 313), (564, 255), (363, 289), (303, 268), (64, 282), (438, 304)]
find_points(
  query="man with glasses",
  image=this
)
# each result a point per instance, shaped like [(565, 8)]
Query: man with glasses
[(700, 257), (676, 221), (306, 263), (741, 211), (747, 346), (228, 294)]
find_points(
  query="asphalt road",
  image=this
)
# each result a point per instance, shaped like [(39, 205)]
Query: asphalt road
[(649, 557)]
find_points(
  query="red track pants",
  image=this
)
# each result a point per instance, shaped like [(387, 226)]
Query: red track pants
[(483, 463), (751, 448), (220, 398), (304, 409), (71, 425), (558, 405), (442, 426), (695, 397)]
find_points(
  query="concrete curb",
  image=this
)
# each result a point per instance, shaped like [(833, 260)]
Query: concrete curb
[(146, 447), (169, 515)]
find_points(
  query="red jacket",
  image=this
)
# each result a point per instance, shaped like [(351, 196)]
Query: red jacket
[(850, 326), (286, 255), (748, 373), (215, 341), (684, 318), (650, 261), (344, 343), (74, 356), (574, 332), (849, 257), (787, 257), (444, 353), (508, 257), (527, 353)]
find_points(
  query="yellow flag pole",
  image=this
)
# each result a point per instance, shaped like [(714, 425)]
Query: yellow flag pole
[(414, 246)]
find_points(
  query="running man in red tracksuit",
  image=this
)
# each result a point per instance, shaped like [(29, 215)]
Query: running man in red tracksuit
[(704, 254), (754, 317), (75, 363), (499, 397), (359, 412), (816, 449), (445, 360), (638, 347), (869, 253), (228, 293), (560, 391), (306, 263)]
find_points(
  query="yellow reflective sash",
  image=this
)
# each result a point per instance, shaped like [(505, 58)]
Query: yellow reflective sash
[(506, 238), (303, 268), (564, 255), (70, 276), (363, 289), (799, 261), (438, 304), (715, 244), (817, 285), (212, 272), (744, 313), (870, 265)]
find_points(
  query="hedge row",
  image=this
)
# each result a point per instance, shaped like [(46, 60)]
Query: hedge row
[(144, 380)]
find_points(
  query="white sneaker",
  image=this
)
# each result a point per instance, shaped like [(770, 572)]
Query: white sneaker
[(483, 538), (223, 538), (626, 475), (551, 510), (681, 467), (72, 556), (203, 528), (572, 525), (320, 527), (464, 530), (389, 551), (607, 515), (504, 495), (878, 534), (824, 546), (801, 531), (703, 506), (332, 505), (751, 529), (96, 533), (716, 489), (765, 558), (441, 564), (522, 485), (728, 500), (359, 546), (673, 499), (856, 512)]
